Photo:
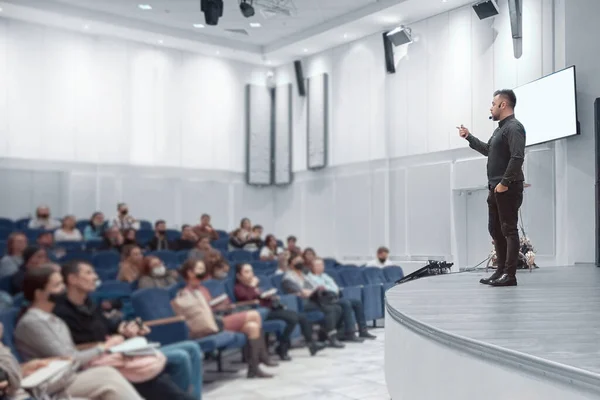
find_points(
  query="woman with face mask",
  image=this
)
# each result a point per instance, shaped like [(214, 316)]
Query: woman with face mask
[(39, 334), (246, 322), (154, 274)]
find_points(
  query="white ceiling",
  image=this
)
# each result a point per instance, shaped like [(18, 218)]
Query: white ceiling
[(314, 26)]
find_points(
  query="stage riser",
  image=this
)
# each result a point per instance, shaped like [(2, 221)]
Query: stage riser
[(418, 367)]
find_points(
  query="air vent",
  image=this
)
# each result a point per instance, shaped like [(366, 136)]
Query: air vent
[(238, 31)]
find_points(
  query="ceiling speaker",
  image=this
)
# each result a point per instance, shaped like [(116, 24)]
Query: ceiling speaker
[(400, 36), (486, 9)]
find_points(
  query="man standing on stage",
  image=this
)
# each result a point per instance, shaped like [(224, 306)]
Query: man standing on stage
[(505, 152)]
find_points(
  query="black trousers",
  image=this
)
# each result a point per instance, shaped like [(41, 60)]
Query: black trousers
[(353, 313), (160, 388), (291, 319), (503, 226), (333, 315)]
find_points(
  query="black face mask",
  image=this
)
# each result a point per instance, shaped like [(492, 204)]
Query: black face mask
[(382, 260), (56, 297), (124, 212), (43, 216), (201, 276), (161, 231), (299, 267)]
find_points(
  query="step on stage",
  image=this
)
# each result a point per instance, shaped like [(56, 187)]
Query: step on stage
[(451, 337)]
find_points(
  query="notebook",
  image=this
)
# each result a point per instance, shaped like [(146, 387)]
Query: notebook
[(268, 293), (217, 300), (40, 376), (135, 344)]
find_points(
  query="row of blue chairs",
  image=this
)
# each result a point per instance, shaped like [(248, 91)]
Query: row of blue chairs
[(23, 223)]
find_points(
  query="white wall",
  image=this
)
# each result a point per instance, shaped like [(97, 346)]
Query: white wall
[(81, 98), (398, 169)]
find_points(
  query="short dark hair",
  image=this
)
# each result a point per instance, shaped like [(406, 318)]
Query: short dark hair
[(70, 268), (36, 279), (257, 227), (160, 221), (119, 205), (188, 265), (185, 226), (383, 249), (508, 95), (292, 238), (204, 215)]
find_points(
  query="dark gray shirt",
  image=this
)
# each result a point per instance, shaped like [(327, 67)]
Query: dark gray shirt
[(505, 152)]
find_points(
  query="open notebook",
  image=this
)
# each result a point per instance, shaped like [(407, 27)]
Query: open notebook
[(55, 368), (268, 293), (217, 300), (135, 346)]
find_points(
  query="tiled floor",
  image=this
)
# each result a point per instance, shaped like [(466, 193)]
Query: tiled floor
[(355, 372)]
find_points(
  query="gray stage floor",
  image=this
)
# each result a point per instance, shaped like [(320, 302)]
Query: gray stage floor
[(554, 313)]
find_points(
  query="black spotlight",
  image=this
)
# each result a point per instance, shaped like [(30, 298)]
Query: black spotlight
[(213, 10), (247, 9)]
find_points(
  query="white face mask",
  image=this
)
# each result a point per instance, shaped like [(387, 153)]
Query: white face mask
[(98, 282), (159, 271)]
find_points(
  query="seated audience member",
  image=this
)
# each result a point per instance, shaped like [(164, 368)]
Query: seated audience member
[(212, 261), (205, 228), (246, 289), (351, 308), (201, 249), (129, 237), (221, 270), (236, 240), (247, 322), (291, 245), (43, 220), (382, 258), (88, 324), (95, 229), (113, 239), (102, 383), (160, 240), (15, 245), (154, 274), (68, 231), (270, 249), (131, 263), (45, 240), (33, 257), (283, 262), (123, 220), (246, 228), (294, 282), (43, 287), (187, 241), (255, 241), (309, 256)]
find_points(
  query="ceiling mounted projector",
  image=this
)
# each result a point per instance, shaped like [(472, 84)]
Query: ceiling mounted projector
[(400, 36), (213, 10), (246, 8), (486, 9)]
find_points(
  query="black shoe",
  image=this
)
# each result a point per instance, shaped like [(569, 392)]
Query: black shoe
[(505, 280), (315, 347), (351, 337), (364, 333), (335, 343), (282, 352), (488, 281)]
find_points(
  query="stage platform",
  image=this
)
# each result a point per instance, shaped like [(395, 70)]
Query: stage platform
[(545, 329)]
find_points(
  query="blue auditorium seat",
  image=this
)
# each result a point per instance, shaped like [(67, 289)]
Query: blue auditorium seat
[(93, 245), (2, 248), (7, 223), (107, 274), (264, 267), (81, 224), (373, 275), (79, 255), (394, 273), (145, 225), (351, 277), (276, 281), (168, 257), (264, 282), (222, 234), (6, 284), (182, 255), (240, 256), (172, 234), (22, 224), (8, 318), (143, 236), (329, 263), (32, 235), (69, 246), (106, 260), (220, 244)]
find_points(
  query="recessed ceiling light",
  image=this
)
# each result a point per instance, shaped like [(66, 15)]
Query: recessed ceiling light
[(0, 9), (255, 24), (160, 41), (86, 27), (269, 62), (145, 7), (218, 52), (306, 50), (345, 36), (198, 25)]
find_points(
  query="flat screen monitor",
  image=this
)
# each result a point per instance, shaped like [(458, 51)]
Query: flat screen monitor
[(547, 107)]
